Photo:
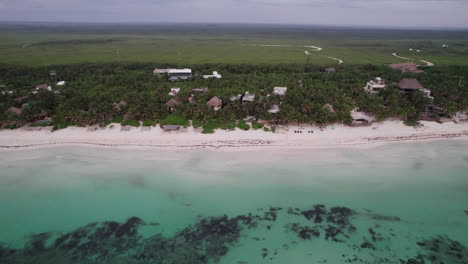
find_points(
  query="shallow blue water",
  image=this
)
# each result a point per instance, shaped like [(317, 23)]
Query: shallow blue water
[(398, 195)]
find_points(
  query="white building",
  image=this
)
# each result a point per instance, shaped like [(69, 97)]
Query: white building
[(427, 93), (248, 97), (274, 109), (179, 74), (374, 86), (214, 75), (235, 97), (61, 83), (174, 91), (281, 91)]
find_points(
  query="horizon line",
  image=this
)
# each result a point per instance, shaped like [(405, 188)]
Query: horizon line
[(208, 23)]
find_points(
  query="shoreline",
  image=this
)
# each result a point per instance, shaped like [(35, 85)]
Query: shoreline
[(311, 137)]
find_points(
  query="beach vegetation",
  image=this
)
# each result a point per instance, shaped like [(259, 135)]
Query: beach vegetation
[(242, 124), (149, 123), (130, 122)]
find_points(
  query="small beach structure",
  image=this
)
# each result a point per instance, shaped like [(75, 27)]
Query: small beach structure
[(406, 67), (15, 110), (179, 74), (214, 75), (215, 103), (198, 90), (248, 97), (235, 97), (174, 91), (361, 118), (118, 106), (44, 86), (330, 70), (7, 92), (281, 91), (171, 104), (330, 108), (375, 85), (274, 109), (170, 127)]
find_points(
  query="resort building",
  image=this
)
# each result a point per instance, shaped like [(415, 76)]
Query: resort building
[(330, 108), (15, 110), (248, 97), (198, 90), (361, 118), (409, 85), (214, 75), (235, 97), (161, 72), (174, 91), (374, 86), (171, 104), (281, 91), (179, 74), (274, 109), (43, 87), (174, 74), (215, 103)]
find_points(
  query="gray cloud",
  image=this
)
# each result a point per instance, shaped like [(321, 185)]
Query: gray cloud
[(401, 13)]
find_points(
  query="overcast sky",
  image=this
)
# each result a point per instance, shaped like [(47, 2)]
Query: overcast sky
[(388, 13)]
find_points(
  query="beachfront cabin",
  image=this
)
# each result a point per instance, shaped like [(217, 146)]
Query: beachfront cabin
[(374, 86), (61, 83), (15, 110), (248, 97), (409, 85), (171, 104), (170, 127), (195, 91), (179, 74), (214, 75), (7, 92), (235, 97), (406, 67), (330, 108), (174, 91), (361, 118), (215, 103), (274, 109), (118, 106), (330, 70), (281, 91), (44, 86)]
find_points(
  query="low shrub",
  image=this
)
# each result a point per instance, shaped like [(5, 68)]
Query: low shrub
[(148, 123), (131, 122), (256, 125), (117, 119), (243, 125)]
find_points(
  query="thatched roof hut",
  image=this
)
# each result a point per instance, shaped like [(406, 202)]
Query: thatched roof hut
[(215, 103), (15, 110)]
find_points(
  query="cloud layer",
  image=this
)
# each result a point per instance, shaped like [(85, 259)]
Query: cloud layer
[(389, 13)]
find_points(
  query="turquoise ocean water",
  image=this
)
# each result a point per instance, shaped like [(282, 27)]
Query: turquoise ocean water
[(399, 203)]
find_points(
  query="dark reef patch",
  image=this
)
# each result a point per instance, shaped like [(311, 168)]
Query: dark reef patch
[(209, 239)]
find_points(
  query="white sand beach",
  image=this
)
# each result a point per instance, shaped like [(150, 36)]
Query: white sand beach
[(333, 136)]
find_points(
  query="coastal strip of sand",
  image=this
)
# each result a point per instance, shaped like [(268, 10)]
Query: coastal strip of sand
[(300, 137)]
